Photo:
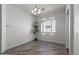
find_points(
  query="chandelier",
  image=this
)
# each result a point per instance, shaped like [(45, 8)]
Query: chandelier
[(36, 10)]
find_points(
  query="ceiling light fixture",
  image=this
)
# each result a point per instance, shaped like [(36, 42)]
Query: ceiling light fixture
[(36, 10)]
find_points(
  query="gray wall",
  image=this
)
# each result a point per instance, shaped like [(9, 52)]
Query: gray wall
[(71, 30), (59, 36), (0, 27)]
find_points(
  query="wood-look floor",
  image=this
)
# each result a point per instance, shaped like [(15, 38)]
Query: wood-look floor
[(38, 48)]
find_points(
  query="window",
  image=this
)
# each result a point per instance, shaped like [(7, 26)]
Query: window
[(48, 25)]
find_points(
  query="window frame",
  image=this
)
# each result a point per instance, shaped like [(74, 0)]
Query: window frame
[(42, 22)]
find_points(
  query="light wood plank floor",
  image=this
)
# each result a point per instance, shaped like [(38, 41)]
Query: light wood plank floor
[(38, 48)]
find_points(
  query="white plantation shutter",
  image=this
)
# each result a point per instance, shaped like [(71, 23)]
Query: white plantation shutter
[(48, 26)]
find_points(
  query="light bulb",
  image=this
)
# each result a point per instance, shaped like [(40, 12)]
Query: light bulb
[(39, 11), (35, 9), (35, 13), (32, 11)]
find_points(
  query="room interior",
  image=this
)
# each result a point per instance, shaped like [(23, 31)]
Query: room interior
[(36, 29), (18, 31)]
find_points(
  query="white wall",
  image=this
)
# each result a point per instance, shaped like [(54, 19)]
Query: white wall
[(59, 37), (71, 29), (18, 27), (67, 26), (3, 41), (76, 30)]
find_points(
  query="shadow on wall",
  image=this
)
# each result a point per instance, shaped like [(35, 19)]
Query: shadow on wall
[(0, 28)]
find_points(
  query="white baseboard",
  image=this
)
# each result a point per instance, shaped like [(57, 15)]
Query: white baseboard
[(52, 41), (14, 46)]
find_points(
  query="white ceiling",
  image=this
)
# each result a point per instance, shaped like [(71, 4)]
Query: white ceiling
[(47, 7)]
